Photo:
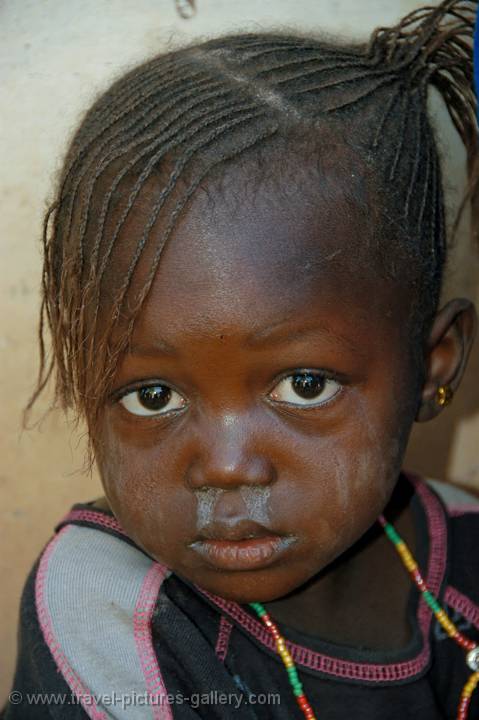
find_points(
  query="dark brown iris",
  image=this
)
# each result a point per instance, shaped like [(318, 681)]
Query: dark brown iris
[(155, 398), (308, 385)]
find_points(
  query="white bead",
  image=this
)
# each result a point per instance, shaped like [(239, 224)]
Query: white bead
[(472, 659)]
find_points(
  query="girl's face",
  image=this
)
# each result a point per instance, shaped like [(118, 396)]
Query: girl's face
[(268, 394)]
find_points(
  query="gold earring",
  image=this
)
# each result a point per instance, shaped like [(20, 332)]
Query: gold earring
[(444, 395)]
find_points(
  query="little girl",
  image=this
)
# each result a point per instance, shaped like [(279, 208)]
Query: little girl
[(242, 273)]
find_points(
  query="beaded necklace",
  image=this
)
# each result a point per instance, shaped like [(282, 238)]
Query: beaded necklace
[(472, 656)]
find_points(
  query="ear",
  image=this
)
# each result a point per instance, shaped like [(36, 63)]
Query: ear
[(447, 351)]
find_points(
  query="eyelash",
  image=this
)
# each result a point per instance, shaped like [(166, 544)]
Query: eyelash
[(327, 378)]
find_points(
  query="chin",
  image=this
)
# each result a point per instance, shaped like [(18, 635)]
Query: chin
[(244, 588)]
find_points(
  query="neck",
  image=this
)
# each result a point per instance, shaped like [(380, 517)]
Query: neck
[(350, 602)]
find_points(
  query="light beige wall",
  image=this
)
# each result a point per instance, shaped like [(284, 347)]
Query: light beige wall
[(55, 55)]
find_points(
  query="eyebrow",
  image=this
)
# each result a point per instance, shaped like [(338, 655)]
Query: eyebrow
[(271, 336), (161, 347), (275, 334)]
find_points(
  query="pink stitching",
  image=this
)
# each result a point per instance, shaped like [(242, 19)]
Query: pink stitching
[(223, 639), (145, 606), (437, 531), (46, 625), (355, 670), (462, 604), (458, 510), (93, 516), (325, 663)]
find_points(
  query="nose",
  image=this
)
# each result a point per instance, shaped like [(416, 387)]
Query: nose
[(228, 456)]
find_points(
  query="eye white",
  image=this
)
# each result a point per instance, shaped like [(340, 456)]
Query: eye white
[(287, 390), (160, 399)]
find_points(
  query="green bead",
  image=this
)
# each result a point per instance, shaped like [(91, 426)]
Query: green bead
[(257, 607), (293, 677), (431, 600), (392, 534)]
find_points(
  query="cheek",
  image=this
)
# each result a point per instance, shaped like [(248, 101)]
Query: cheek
[(353, 474), (137, 488)]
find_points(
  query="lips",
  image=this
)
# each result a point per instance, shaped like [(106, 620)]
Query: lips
[(244, 545)]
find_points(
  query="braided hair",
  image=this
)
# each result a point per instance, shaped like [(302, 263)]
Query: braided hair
[(181, 118)]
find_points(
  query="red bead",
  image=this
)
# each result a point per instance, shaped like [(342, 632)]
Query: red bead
[(464, 642), (416, 575), (462, 709)]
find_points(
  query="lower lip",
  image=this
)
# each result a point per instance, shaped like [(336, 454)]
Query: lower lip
[(243, 554)]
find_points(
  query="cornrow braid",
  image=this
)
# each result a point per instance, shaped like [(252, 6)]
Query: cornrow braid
[(180, 119)]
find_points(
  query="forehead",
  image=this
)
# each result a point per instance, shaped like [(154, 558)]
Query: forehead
[(252, 250)]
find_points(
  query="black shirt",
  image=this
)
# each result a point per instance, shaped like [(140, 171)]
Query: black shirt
[(201, 656)]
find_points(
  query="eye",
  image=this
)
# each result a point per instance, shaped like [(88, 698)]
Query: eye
[(306, 388), (152, 400)]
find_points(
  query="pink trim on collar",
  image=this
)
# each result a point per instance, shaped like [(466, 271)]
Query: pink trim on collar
[(462, 509), (94, 516), (82, 693), (367, 672), (223, 639), (462, 604), (144, 608)]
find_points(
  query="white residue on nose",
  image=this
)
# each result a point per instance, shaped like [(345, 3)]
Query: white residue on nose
[(256, 498), (206, 502)]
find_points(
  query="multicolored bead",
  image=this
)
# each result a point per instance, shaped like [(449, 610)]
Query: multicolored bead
[(472, 658)]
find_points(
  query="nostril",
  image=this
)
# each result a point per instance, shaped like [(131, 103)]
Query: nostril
[(223, 469)]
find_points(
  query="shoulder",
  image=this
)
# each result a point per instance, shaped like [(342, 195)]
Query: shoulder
[(461, 591), (89, 601), (457, 501)]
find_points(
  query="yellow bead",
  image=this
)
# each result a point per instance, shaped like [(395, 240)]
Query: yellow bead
[(449, 627), (468, 689), (471, 684), (447, 620), (406, 556), (449, 630), (443, 619)]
